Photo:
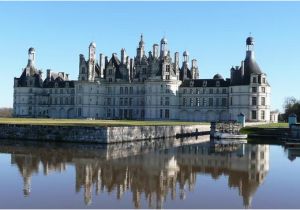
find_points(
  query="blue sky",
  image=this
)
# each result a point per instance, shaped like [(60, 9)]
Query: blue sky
[(213, 32)]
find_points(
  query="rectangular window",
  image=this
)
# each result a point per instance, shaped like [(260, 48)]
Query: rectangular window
[(108, 101), (184, 102), (263, 89), (121, 102), (254, 101), (264, 80), (126, 101), (217, 102), (197, 101), (253, 115), (191, 101), (224, 90), (161, 114), (197, 91), (263, 101), (167, 77), (211, 91), (210, 102), (161, 101), (254, 90), (121, 90), (167, 101), (167, 114), (131, 90), (262, 114), (254, 79), (126, 90), (223, 101), (130, 101), (167, 68)]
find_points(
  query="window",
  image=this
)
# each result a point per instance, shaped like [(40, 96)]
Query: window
[(126, 101), (167, 114), (253, 114), (83, 70), (223, 101), (110, 72), (121, 102), (254, 79), (263, 89), (184, 91), (231, 90), (167, 101), (108, 101), (191, 101), (197, 101), (167, 68), (161, 113), (217, 102), (254, 101), (131, 90), (130, 101), (210, 102), (191, 91), (211, 91), (218, 83), (161, 101), (263, 114), (204, 84), (197, 91), (144, 70), (254, 90), (167, 77), (218, 91), (108, 112), (61, 91), (121, 90), (184, 101), (231, 101), (224, 90), (126, 90), (264, 80), (110, 80), (263, 101)]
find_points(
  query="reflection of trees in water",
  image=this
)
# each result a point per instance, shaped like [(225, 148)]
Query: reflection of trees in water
[(155, 175)]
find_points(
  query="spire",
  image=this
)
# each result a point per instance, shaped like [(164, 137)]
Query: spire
[(141, 43)]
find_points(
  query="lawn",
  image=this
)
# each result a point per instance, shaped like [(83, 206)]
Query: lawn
[(86, 122), (265, 128)]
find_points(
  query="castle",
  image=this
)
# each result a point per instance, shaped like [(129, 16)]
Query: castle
[(150, 87)]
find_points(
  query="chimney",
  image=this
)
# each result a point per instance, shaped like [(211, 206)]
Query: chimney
[(101, 64), (123, 56), (48, 73), (155, 50)]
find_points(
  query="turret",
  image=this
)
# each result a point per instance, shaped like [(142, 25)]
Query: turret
[(163, 47), (140, 51)]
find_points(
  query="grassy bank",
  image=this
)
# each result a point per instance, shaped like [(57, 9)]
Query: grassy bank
[(265, 128), (84, 122)]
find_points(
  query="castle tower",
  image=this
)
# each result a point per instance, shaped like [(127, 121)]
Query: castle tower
[(140, 51)]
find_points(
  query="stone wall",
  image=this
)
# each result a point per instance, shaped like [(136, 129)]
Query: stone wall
[(295, 131), (92, 134)]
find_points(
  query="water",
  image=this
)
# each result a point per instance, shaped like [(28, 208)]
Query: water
[(154, 174)]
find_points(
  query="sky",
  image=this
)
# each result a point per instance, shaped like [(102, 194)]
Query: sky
[(214, 33)]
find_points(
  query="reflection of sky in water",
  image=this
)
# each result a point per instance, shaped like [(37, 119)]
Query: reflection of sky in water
[(147, 175)]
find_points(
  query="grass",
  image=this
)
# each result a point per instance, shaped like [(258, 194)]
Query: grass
[(85, 122), (265, 128)]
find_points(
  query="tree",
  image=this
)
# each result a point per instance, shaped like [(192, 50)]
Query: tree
[(6, 112), (291, 106)]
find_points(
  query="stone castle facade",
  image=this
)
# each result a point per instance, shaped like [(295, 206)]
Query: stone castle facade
[(150, 87)]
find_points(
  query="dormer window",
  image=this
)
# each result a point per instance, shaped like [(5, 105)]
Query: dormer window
[(83, 70), (167, 68), (254, 80), (264, 80), (67, 84), (191, 83), (218, 83), (204, 83), (56, 85)]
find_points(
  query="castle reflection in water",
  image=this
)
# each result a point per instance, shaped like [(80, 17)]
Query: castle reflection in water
[(155, 169)]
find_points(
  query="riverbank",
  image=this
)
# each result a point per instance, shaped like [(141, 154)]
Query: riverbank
[(267, 133)]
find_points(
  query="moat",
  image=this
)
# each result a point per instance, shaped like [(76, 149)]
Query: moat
[(167, 173)]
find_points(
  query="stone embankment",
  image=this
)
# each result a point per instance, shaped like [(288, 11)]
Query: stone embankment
[(94, 134)]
